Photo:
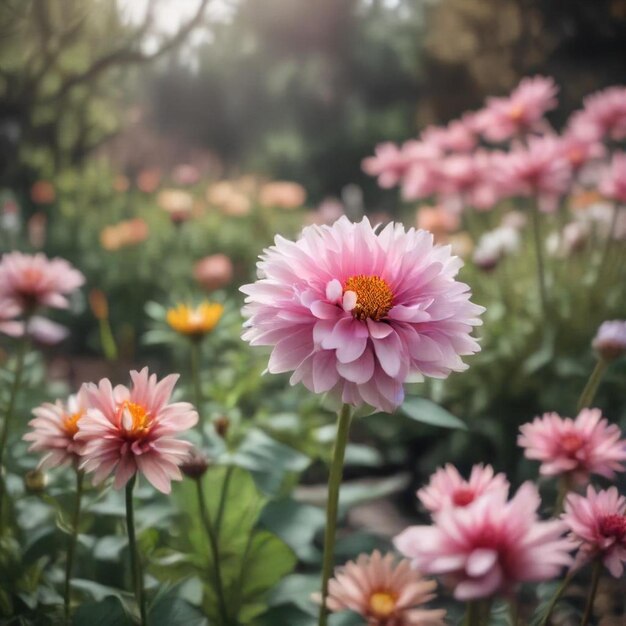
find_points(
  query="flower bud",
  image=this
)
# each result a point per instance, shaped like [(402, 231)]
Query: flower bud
[(35, 481), (610, 340), (195, 465), (221, 425)]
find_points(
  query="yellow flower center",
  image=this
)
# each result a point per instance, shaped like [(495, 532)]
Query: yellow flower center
[(134, 419), (70, 423), (195, 321), (382, 603), (374, 297), (516, 113)]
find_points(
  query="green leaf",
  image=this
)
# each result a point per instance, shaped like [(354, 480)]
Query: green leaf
[(169, 610), (107, 612), (427, 412)]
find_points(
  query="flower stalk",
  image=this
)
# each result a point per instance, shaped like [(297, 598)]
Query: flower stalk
[(135, 563), (556, 597), (334, 484), (541, 270), (71, 544), (595, 579), (589, 392)]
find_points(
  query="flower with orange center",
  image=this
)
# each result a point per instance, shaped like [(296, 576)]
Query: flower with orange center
[(195, 322), (134, 419), (54, 428), (370, 296)]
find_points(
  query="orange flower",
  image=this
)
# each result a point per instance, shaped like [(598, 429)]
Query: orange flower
[(42, 192), (282, 194), (195, 321)]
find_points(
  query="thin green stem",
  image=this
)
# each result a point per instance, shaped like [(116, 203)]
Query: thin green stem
[(608, 245), (334, 484), (565, 486), (557, 596), (541, 272), (195, 381), (472, 614), (210, 530), (71, 543), (135, 563), (589, 392), (595, 579), (222, 503)]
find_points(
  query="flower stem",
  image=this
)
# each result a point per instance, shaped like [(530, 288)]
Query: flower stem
[(4, 435), (589, 392), (195, 380), (541, 273), (608, 243), (210, 530), (71, 543), (556, 597), (565, 486), (135, 563), (595, 578), (472, 614), (334, 483)]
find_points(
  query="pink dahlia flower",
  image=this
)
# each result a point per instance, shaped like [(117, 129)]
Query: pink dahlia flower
[(447, 488), (359, 312), (54, 428), (610, 340), (489, 546), (613, 184), (383, 593), (598, 525), (522, 111), (126, 431), (603, 115), (389, 164), (29, 281), (581, 447)]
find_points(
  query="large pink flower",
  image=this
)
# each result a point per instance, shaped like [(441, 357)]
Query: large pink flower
[(578, 448), (384, 593), (134, 430), (447, 488), (598, 525), (603, 115), (613, 184), (360, 313), (522, 111), (54, 428), (489, 546), (29, 281)]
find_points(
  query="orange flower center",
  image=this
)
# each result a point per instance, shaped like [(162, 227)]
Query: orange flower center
[(70, 423), (374, 297), (134, 419), (516, 113), (613, 525), (572, 443), (382, 603), (463, 496), (195, 321)]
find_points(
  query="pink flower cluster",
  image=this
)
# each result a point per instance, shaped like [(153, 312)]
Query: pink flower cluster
[(459, 165), (117, 430)]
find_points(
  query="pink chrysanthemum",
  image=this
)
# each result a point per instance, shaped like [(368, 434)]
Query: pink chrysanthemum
[(489, 546), (390, 162), (613, 183), (360, 313), (603, 115), (457, 136), (598, 525), (447, 488), (610, 340), (581, 447), (54, 428), (383, 593), (134, 430), (579, 151), (522, 111), (29, 281)]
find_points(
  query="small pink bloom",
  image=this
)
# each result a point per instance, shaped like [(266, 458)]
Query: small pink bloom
[(30, 281), (46, 331), (388, 163), (579, 151), (214, 271), (489, 546), (186, 174), (54, 428), (613, 184), (383, 593), (598, 524), (421, 175), (447, 488), (126, 431), (519, 113), (359, 312), (603, 115), (457, 136), (581, 447), (610, 340)]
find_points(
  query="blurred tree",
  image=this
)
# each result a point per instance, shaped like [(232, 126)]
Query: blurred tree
[(61, 62)]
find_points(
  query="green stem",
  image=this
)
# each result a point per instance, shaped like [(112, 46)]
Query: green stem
[(608, 245), (4, 436), (595, 579), (107, 341), (71, 543), (589, 392), (334, 484), (135, 563), (557, 596), (210, 530), (222, 503), (541, 273), (565, 486), (195, 380), (472, 614)]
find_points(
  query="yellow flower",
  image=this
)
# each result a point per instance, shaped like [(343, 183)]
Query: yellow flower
[(195, 321)]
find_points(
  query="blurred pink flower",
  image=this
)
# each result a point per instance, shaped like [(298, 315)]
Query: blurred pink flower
[(598, 525), (383, 593), (8, 324), (438, 220), (46, 331), (30, 281), (186, 174), (579, 151), (457, 136), (613, 184), (37, 229), (148, 180), (537, 169), (520, 112), (610, 340), (282, 194), (581, 447), (126, 431), (447, 488), (214, 271), (603, 116), (53, 430), (489, 546), (389, 164), (43, 192), (495, 245), (360, 313)]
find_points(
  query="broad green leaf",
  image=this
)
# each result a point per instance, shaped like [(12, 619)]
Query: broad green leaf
[(169, 610), (427, 412), (107, 612)]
